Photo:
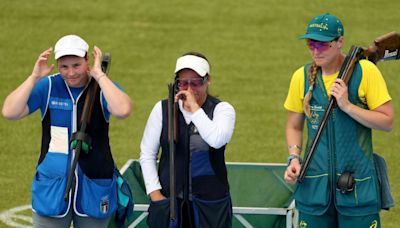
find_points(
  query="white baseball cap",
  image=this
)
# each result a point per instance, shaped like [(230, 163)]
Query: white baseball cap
[(70, 45), (193, 62)]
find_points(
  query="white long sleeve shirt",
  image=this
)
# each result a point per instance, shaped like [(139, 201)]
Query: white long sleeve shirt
[(216, 133)]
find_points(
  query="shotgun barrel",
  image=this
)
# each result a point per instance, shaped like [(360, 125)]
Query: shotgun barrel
[(81, 137), (172, 139)]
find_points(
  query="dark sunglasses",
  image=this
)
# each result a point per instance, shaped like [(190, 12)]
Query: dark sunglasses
[(193, 82), (318, 45)]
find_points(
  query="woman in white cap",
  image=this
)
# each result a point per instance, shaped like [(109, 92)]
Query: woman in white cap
[(205, 126), (60, 97), (340, 188)]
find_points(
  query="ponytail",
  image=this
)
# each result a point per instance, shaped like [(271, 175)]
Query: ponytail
[(312, 74)]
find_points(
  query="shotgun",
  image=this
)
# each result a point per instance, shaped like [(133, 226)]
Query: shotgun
[(172, 140), (385, 47), (80, 140)]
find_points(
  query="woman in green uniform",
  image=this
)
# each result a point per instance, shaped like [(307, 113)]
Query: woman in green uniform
[(344, 153)]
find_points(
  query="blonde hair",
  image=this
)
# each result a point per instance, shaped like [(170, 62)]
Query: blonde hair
[(312, 75)]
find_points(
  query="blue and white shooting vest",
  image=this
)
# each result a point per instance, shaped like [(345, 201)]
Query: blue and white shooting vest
[(95, 181)]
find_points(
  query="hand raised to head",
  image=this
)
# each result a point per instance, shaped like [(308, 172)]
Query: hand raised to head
[(41, 67), (95, 70)]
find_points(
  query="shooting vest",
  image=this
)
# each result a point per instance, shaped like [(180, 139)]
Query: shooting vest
[(95, 185), (345, 146), (198, 166)]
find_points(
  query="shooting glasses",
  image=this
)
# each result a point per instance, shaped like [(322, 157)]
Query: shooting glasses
[(193, 82)]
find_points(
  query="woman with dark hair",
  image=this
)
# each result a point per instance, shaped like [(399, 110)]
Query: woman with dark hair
[(340, 188), (205, 126)]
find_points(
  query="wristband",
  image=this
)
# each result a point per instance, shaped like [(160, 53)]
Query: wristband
[(293, 156), (294, 146)]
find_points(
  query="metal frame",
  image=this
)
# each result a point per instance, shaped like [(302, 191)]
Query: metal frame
[(290, 212)]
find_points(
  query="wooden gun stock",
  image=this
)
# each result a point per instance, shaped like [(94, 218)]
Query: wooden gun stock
[(385, 47)]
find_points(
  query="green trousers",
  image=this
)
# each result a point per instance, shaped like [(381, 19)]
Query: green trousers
[(332, 219)]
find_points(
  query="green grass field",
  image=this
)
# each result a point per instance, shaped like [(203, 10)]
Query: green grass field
[(252, 47)]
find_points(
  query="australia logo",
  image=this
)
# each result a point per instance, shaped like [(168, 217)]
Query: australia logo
[(323, 26)]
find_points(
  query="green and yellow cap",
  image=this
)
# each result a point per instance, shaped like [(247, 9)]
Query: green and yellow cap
[(324, 27)]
